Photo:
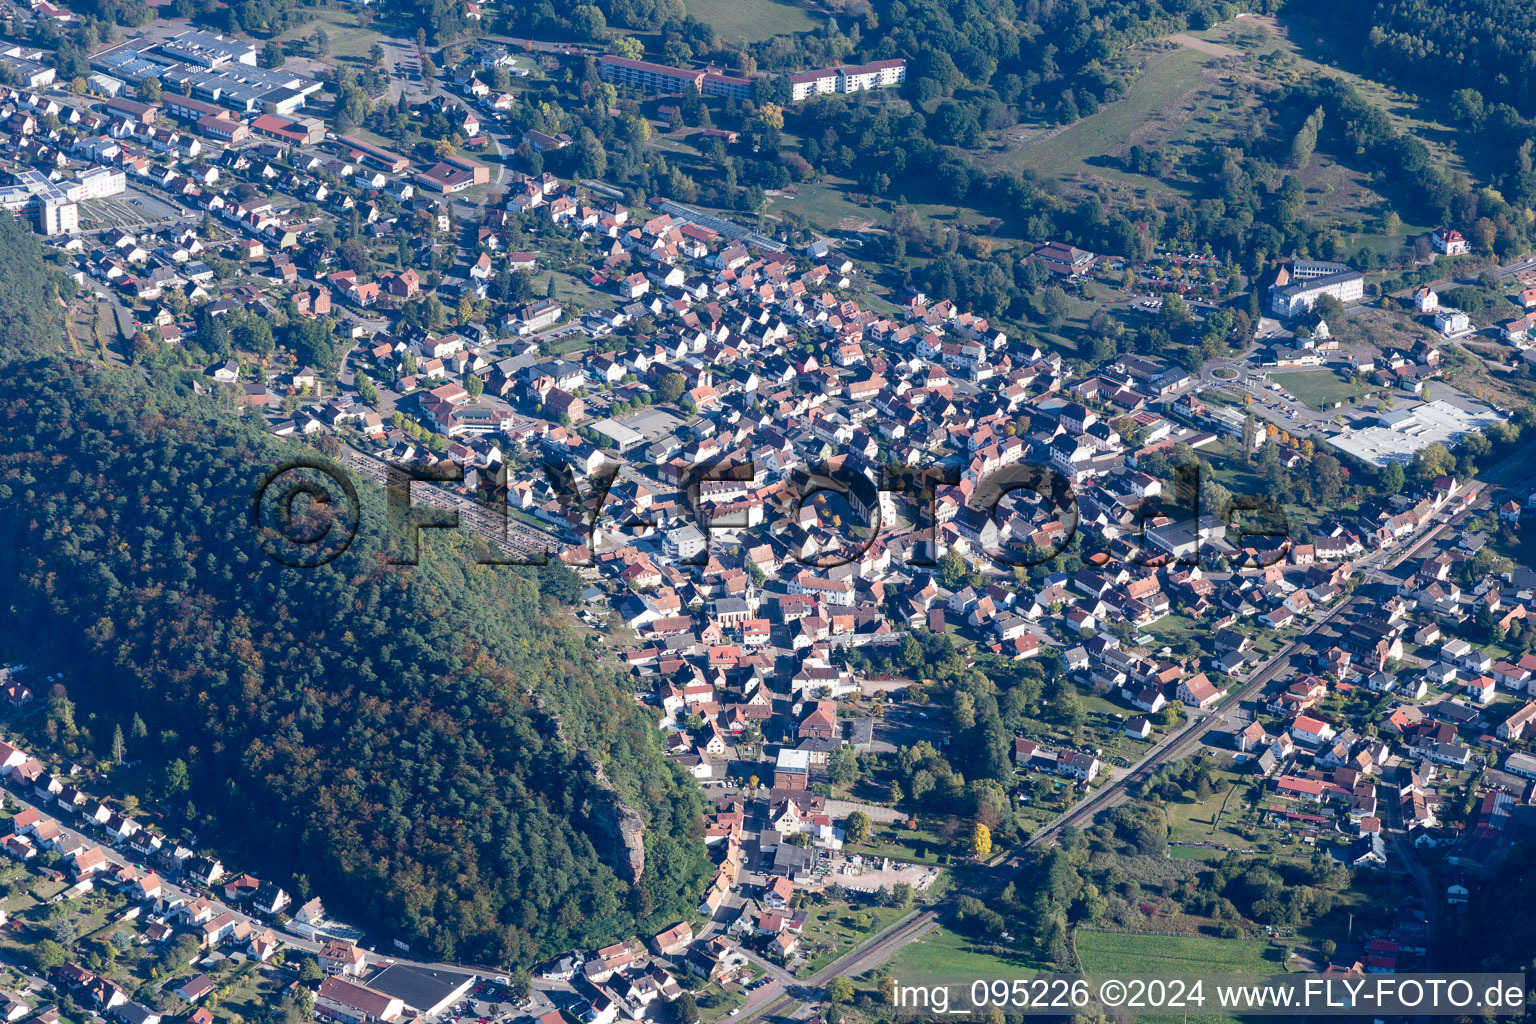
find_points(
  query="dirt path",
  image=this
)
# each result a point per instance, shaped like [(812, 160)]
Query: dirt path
[(1203, 45)]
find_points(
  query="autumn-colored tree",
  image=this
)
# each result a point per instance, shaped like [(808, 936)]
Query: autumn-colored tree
[(981, 841)]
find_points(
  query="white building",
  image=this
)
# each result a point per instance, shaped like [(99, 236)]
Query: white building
[(1449, 242), (1297, 289), (852, 78), (99, 183), (57, 217), (1451, 321)]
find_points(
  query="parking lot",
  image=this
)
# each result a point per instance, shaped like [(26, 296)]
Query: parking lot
[(131, 211)]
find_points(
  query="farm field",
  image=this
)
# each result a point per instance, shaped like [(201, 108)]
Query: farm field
[(751, 20)]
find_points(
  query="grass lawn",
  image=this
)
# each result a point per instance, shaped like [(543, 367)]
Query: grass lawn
[(1214, 819), (251, 992), (825, 204), (1127, 954), (1318, 388), (573, 291), (1184, 956), (908, 845), (752, 20), (1167, 76), (724, 1002), (832, 929), (344, 37), (944, 957)]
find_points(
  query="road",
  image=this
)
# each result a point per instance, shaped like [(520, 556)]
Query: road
[(797, 1002), (172, 891)]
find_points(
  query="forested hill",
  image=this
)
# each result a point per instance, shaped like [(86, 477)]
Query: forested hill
[(365, 725), (1441, 46)]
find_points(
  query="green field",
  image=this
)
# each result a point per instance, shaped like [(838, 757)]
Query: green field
[(751, 20), (1167, 76), (943, 956), (1318, 389), (1171, 956), (344, 36), (1216, 819), (832, 929), (1127, 954)]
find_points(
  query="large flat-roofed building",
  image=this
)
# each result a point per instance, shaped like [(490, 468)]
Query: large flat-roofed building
[(849, 78), (208, 49), (642, 74), (376, 156), (1398, 433), (242, 88), (717, 83), (100, 182), (300, 131), (235, 82), (1298, 287), (31, 72), (792, 770), (57, 217), (425, 991)]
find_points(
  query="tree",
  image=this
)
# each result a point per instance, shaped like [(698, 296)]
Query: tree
[(856, 827), (684, 1009), (840, 989), (1305, 142), (672, 387), (981, 841), (48, 954), (588, 22), (843, 766), (1392, 479), (953, 572), (117, 744), (174, 780), (1171, 714), (272, 54), (149, 89), (520, 984)]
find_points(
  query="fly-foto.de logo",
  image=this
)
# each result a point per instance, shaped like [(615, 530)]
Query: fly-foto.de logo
[(307, 512)]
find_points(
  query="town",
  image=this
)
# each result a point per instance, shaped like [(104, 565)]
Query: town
[(911, 595)]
